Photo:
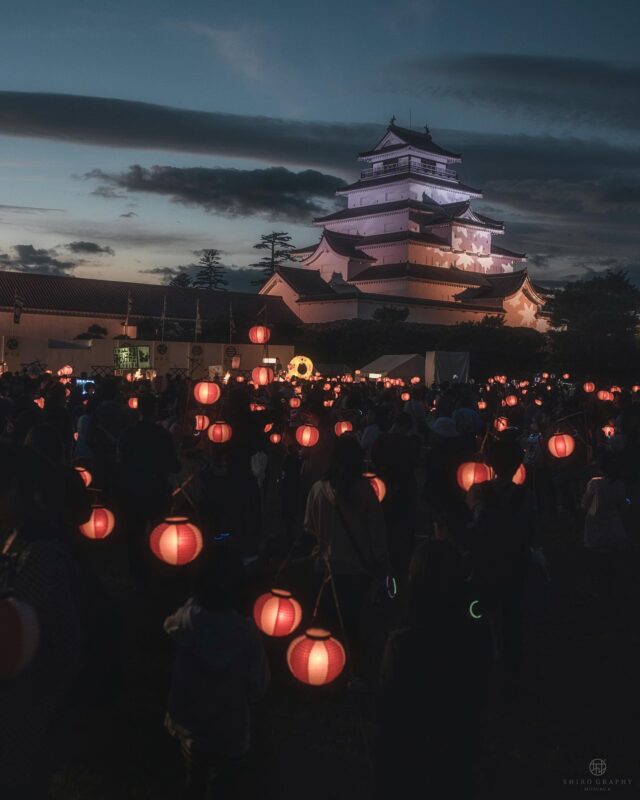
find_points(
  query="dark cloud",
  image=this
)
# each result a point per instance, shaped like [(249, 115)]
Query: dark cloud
[(27, 258), (31, 209), (129, 215), (275, 193), (555, 89), (91, 248)]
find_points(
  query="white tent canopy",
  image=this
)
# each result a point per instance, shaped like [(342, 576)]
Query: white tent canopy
[(395, 366)]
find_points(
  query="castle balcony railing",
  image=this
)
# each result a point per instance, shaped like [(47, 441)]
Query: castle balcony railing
[(421, 169)]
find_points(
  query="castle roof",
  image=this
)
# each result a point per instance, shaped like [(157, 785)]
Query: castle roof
[(366, 183), (421, 140), (424, 272)]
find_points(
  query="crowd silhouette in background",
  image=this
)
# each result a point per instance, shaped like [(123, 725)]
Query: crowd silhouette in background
[(434, 584)]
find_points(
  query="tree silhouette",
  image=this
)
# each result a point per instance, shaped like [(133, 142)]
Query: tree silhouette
[(181, 280), (211, 274), (278, 246)]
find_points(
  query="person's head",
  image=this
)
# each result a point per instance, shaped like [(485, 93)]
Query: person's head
[(436, 579), (147, 406), (46, 441), (347, 465), (217, 578), (505, 456), (18, 485)]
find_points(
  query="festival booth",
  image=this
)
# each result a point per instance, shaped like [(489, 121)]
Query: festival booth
[(445, 367), (394, 366)]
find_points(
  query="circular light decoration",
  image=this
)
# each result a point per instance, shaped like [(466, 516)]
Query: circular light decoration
[(300, 367), (129, 377), (615, 390), (176, 541), (635, 388), (482, 404), (99, 525), (343, 426), (316, 658), (66, 370), (295, 402), (206, 392), (133, 403), (545, 376), (608, 430), (259, 334), (277, 613), (262, 376), (473, 472), (202, 422), (604, 395), (405, 397), (275, 438), (520, 475), (588, 387), (19, 634), (565, 376), (538, 401), (415, 379), (86, 476), (511, 400), (219, 432), (501, 424), (377, 484), (474, 612), (307, 435), (561, 445)]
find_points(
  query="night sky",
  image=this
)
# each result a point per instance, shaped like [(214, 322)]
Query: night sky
[(132, 135)]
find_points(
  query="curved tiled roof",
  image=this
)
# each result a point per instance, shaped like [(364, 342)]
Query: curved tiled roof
[(419, 140), (422, 271)]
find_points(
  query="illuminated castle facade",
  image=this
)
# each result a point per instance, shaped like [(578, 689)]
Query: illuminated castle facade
[(409, 239)]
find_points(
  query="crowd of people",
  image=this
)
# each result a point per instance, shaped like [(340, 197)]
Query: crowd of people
[(426, 580)]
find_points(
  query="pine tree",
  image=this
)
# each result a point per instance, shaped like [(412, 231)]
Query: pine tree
[(278, 246), (211, 274), (181, 280)]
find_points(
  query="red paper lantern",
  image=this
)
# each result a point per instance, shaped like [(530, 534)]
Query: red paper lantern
[(176, 541), (405, 396), (99, 525), (327, 403), (129, 377), (268, 427), (39, 401), (219, 432), (316, 658), (589, 387), (501, 424), (133, 403), (604, 395), (66, 370), (635, 388), (202, 422), (608, 430), (615, 390), (206, 392), (294, 402), (262, 376), (565, 376), (545, 375), (538, 401), (561, 445), (511, 400), (377, 484), (277, 613), (520, 475), (259, 334), (275, 438), (472, 472), (343, 426), (415, 379), (482, 404), (19, 634), (307, 435), (86, 476)]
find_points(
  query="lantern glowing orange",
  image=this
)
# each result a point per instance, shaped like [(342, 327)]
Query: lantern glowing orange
[(202, 422), (405, 397), (377, 484), (86, 476), (307, 435), (511, 400), (565, 376), (523, 384), (501, 424), (520, 475), (176, 541), (259, 334), (588, 387), (275, 438), (294, 402), (39, 401), (277, 613), (415, 379), (133, 403), (604, 395), (66, 370), (327, 403), (608, 430), (206, 392), (482, 404), (316, 658), (129, 377), (343, 426), (538, 401), (268, 427), (635, 388), (19, 634), (561, 445), (262, 376), (472, 472), (545, 375), (615, 390), (219, 432), (99, 525)]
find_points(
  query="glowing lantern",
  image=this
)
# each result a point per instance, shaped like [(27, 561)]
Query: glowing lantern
[(275, 438), (565, 376), (202, 422), (524, 392), (133, 402), (268, 427), (294, 402), (262, 376), (377, 484), (277, 613), (239, 378), (545, 375), (561, 445), (85, 475), (635, 388), (176, 541), (327, 387), (344, 426), (39, 401), (511, 400), (66, 370), (337, 389), (589, 387), (538, 401), (604, 395), (219, 432), (482, 404), (405, 397), (472, 472), (501, 424), (19, 634), (520, 475), (307, 435), (316, 658), (615, 390), (206, 392), (608, 430), (99, 525), (76, 436), (523, 384), (259, 334), (327, 403), (415, 379)]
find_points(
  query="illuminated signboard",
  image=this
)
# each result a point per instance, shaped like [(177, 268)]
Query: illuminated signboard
[(132, 357)]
